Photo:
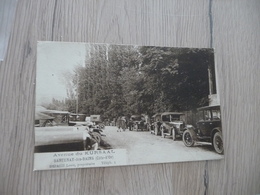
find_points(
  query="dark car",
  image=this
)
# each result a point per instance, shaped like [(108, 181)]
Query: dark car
[(139, 122), (172, 124), (208, 129)]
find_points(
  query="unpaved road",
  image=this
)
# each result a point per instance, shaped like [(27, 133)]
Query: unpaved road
[(144, 148)]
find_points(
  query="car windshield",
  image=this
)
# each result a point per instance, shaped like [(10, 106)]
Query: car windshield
[(175, 117), (171, 117), (77, 117), (200, 115)]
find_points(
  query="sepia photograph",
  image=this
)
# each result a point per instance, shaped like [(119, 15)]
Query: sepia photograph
[(100, 105)]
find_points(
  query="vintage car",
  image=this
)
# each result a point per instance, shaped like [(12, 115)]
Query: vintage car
[(172, 124), (77, 119), (97, 120), (139, 122), (208, 129), (59, 138), (43, 120), (65, 138)]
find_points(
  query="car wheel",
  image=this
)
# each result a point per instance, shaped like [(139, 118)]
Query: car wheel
[(188, 138), (96, 136), (218, 143)]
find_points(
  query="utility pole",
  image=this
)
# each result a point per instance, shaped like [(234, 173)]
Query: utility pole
[(77, 95)]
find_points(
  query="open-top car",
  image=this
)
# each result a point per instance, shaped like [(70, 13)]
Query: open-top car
[(172, 124), (208, 129)]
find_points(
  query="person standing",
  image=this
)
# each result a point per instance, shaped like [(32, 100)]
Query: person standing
[(118, 124), (123, 123), (158, 126), (130, 124)]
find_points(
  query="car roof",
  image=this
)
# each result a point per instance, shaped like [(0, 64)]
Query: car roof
[(41, 116), (209, 107), (175, 113), (73, 114), (55, 112)]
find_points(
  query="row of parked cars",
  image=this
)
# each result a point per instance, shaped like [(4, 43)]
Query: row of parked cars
[(207, 127)]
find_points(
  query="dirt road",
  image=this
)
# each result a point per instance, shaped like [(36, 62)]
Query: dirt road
[(144, 147)]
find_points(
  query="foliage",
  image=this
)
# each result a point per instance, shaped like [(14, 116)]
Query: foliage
[(126, 80)]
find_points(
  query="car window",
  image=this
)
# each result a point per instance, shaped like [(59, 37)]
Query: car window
[(216, 114), (207, 115), (200, 116), (175, 117), (166, 118)]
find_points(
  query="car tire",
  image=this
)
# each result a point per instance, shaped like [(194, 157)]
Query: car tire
[(218, 143), (188, 138)]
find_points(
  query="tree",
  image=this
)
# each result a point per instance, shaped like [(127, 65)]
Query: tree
[(124, 80)]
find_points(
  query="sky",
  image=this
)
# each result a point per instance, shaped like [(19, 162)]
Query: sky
[(53, 60)]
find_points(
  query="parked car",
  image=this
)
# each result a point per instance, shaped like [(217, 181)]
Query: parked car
[(59, 138), (139, 122), (172, 124), (96, 119), (77, 119), (208, 129)]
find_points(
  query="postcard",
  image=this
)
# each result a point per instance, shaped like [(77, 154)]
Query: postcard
[(102, 105)]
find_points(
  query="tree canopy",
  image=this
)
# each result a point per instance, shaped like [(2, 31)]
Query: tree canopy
[(125, 80)]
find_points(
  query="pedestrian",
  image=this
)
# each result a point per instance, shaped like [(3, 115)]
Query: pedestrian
[(130, 124), (123, 123), (158, 126), (118, 124)]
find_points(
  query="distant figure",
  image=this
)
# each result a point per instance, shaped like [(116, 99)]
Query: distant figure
[(130, 124), (121, 124), (158, 125)]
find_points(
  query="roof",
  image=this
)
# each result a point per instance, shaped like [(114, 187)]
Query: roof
[(209, 107), (74, 114), (41, 116), (55, 112), (175, 113)]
